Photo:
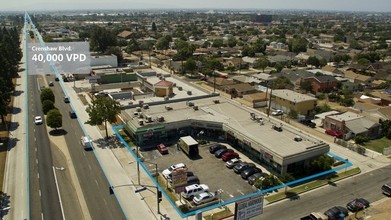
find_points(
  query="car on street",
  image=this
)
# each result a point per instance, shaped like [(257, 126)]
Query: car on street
[(357, 204), (38, 120), (336, 212), (277, 112), (238, 168), (219, 153), (253, 178), (245, 174), (216, 147), (51, 83), (56, 79), (162, 148), (167, 172), (334, 133), (231, 163), (386, 188), (229, 155), (72, 114), (308, 123), (203, 198), (277, 128), (66, 99)]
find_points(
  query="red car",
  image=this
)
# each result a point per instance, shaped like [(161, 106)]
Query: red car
[(229, 155), (334, 133), (162, 149)]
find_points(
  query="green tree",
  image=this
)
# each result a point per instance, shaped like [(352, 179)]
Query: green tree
[(363, 61), (361, 139), (101, 39), (163, 43), (132, 46), (293, 114), (154, 28), (321, 164), (54, 119), (314, 61), (47, 105), (232, 42), (102, 110), (190, 65), (322, 108), (306, 86), (262, 63), (297, 45), (279, 67), (5, 97), (47, 94)]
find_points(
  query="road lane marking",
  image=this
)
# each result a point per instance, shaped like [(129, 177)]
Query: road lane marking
[(36, 160), (96, 183), (104, 200), (38, 175), (42, 215), (35, 139), (84, 153), (39, 192), (58, 192), (35, 149), (89, 166)]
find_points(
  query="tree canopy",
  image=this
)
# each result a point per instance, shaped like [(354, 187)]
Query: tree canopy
[(102, 110), (54, 119), (47, 94)]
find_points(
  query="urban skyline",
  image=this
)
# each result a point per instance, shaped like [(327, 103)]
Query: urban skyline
[(327, 5)]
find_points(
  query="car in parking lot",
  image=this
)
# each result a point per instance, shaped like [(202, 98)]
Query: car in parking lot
[(167, 172), (357, 204), (229, 155), (203, 198), (195, 189), (334, 133), (38, 120), (216, 147), (277, 112), (308, 123), (162, 148), (220, 153), (238, 168), (231, 163), (253, 178), (335, 212), (245, 174)]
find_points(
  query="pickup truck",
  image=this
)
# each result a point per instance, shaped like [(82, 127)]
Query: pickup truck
[(315, 216)]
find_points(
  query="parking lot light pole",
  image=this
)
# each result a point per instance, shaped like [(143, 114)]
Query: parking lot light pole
[(138, 166), (158, 193)]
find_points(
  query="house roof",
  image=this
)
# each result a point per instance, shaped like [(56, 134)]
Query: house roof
[(242, 87), (124, 34), (221, 81), (360, 125), (381, 95), (164, 83), (292, 96), (386, 112), (259, 96), (352, 75), (347, 116), (323, 78), (245, 79), (363, 106)]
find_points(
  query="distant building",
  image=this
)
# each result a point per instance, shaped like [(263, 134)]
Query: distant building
[(163, 88), (323, 83), (238, 90), (288, 100), (104, 60), (264, 19)]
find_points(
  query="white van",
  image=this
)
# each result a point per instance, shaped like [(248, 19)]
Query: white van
[(86, 143), (195, 189)]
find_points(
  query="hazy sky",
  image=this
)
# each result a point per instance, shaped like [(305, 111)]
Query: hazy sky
[(340, 5)]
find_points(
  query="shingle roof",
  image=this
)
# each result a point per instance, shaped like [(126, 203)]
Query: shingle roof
[(164, 83)]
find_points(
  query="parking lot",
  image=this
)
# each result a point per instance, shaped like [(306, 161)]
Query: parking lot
[(209, 169)]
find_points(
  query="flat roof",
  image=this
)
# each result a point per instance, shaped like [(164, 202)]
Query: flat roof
[(233, 117), (347, 116), (292, 95)]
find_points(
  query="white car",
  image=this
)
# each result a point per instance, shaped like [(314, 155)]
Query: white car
[(203, 198), (38, 120), (277, 112), (167, 172)]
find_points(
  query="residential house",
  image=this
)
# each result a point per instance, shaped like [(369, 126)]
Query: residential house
[(288, 100), (236, 63), (295, 76), (219, 82), (238, 90), (264, 78), (357, 78), (384, 96), (352, 124), (246, 79), (332, 69), (323, 83), (125, 34), (256, 100)]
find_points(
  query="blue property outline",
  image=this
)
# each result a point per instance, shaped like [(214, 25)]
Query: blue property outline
[(70, 102), (261, 192)]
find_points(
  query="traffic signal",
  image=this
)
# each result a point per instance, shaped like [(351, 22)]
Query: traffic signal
[(159, 196)]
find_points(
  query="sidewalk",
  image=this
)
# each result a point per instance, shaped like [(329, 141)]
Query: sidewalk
[(119, 172)]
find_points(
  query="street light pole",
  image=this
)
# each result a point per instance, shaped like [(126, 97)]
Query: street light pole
[(138, 166)]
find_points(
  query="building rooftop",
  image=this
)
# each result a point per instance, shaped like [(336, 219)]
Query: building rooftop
[(233, 117), (292, 95), (347, 116)]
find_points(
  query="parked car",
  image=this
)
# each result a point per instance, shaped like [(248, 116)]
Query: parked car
[(308, 122), (162, 148), (238, 168), (229, 155), (334, 133), (357, 204), (167, 172), (253, 178), (195, 189), (216, 147), (277, 112), (220, 153), (192, 180), (203, 198), (250, 171), (38, 120), (335, 212), (386, 188), (231, 163)]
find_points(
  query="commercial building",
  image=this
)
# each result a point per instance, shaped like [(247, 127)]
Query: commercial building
[(219, 118), (288, 100)]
